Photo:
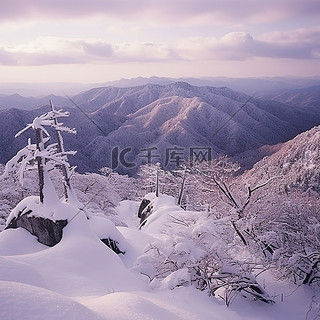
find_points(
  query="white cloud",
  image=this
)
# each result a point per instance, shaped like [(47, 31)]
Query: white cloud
[(242, 46), (302, 35), (301, 43), (234, 46), (145, 52), (53, 50)]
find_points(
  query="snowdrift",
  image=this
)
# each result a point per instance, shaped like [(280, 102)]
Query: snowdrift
[(81, 278)]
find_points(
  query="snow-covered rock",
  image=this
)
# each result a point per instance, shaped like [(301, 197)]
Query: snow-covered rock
[(108, 233), (44, 222)]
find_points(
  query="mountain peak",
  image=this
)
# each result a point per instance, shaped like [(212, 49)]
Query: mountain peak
[(164, 116)]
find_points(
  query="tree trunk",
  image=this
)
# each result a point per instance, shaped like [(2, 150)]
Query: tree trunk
[(239, 233), (39, 141), (182, 187), (60, 148), (157, 183)]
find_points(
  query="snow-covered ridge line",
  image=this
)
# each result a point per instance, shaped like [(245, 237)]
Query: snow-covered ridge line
[(164, 116)]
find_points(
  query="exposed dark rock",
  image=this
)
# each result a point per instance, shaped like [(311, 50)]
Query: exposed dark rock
[(113, 245), (145, 210), (143, 205), (47, 231)]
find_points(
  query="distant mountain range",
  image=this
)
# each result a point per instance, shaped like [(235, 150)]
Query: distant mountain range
[(27, 103), (252, 86), (304, 97), (153, 119)]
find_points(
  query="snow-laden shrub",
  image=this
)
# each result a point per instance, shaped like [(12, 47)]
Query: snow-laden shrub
[(203, 251), (294, 232)]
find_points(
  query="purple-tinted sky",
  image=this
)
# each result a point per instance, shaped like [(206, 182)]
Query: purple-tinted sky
[(100, 40)]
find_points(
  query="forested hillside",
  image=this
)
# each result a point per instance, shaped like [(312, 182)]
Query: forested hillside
[(159, 117)]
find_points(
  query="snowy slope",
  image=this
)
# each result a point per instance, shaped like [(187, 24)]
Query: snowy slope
[(80, 278), (295, 164)]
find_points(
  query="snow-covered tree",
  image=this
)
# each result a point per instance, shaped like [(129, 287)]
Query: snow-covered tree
[(43, 156), (124, 186), (291, 228), (151, 178), (230, 197), (178, 184)]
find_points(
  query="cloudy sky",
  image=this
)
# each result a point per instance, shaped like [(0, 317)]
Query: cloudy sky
[(102, 40)]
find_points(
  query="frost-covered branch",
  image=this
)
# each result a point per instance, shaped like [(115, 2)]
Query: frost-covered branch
[(46, 157), (19, 162)]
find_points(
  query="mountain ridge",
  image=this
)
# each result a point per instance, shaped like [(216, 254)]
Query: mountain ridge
[(308, 97), (251, 85), (164, 116), (295, 163)]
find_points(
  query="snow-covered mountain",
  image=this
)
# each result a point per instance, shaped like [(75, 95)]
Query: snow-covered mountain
[(178, 264), (264, 85), (28, 103), (304, 97), (162, 117), (16, 101), (246, 85), (295, 166)]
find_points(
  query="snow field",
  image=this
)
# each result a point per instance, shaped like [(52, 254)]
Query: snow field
[(81, 278)]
